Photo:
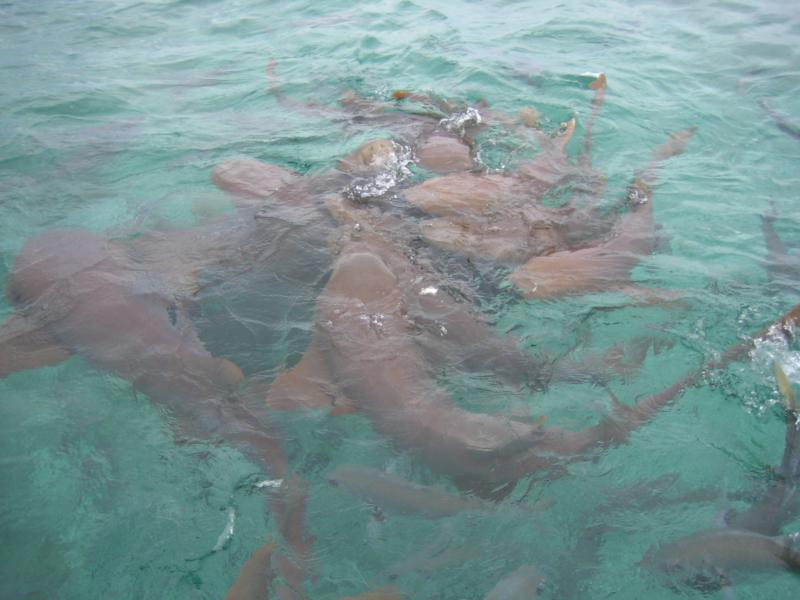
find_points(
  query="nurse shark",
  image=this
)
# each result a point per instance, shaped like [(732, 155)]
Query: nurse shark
[(365, 338), (750, 540)]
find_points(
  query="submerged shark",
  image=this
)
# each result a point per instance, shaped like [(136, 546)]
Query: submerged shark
[(395, 494), (605, 266), (706, 560), (499, 217), (365, 338), (750, 540), (76, 292), (122, 305), (783, 266)]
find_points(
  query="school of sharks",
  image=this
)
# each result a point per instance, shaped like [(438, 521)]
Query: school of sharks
[(382, 256)]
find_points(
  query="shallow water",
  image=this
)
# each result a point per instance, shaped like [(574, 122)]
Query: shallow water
[(113, 115)]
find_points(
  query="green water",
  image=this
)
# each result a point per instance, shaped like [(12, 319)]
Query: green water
[(113, 113)]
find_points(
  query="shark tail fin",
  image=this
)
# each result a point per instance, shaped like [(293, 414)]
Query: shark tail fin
[(599, 83)]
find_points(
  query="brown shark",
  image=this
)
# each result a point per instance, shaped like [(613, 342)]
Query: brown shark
[(76, 292), (499, 217), (779, 503), (705, 560), (750, 541), (364, 336), (447, 333), (257, 574), (120, 305), (394, 494), (781, 121), (606, 266), (783, 267)]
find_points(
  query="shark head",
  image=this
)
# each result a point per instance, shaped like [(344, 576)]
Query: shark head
[(52, 257)]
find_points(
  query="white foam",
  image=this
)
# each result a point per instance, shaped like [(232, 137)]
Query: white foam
[(227, 533), (457, 121), (394, 170), (269, 483)]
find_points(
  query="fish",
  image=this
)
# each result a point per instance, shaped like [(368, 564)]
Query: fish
[(706, 560), (524, 583), (432, 558), (438, 148), (247, 179), (605, 266), (395, 494), (779, 503), (444, 153), (77, 292), (363, 333), (781, 121), (387, 378), (480, 216), (365, 340), (750, 540), (255, 576), (122, 304), (446, 333), (498, 217), (783, 268)]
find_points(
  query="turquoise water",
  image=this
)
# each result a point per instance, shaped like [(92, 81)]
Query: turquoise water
[(113, 115)]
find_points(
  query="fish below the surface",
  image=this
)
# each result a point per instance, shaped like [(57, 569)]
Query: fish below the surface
[(366, 343), (608, 265), (395, 494), (77, 292), (705, 560), (255, 576), (780, 501), (781, 121)]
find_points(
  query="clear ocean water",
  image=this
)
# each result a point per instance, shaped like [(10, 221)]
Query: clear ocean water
[(113, 114)]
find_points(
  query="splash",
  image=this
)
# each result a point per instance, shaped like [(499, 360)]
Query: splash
[(227, 533), (774, 348), (457, 122), (394, 170), (269, 483)]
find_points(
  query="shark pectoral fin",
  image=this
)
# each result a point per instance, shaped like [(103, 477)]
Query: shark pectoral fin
[(308, 385), (249, 181), (255, 575), (24, 345), (651, 296), (227, 373)]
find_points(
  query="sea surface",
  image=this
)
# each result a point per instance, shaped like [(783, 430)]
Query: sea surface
[(113, 114)]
